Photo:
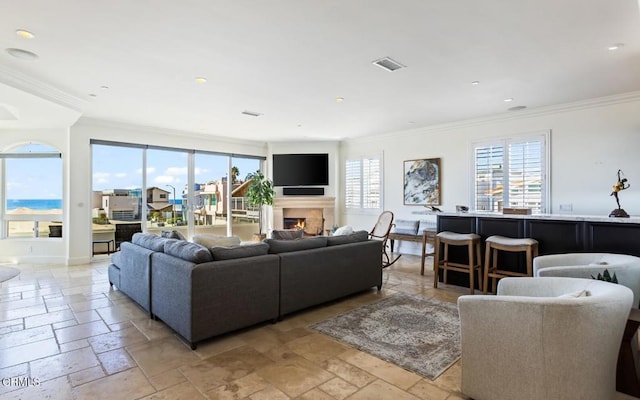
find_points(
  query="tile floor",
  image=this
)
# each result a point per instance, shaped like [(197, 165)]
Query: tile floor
[(64, 334)]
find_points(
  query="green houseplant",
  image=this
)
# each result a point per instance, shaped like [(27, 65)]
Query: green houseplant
[(259, 194)]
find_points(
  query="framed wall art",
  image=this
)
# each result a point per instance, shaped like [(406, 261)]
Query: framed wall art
[(422, 182)]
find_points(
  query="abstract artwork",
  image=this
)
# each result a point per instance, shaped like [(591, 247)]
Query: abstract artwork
[(422, 182)]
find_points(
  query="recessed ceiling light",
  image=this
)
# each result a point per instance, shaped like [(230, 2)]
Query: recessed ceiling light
[(93, 95), (104, 87), (474, 83), (615, 46), (201, 79), (412, 122), (25, 34), (339, 99), (509, 100), (22, 54)]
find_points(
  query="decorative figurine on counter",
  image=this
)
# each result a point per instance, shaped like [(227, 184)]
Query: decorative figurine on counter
[(620, 185)]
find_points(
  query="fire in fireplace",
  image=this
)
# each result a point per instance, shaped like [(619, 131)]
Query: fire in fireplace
[(294, 223)]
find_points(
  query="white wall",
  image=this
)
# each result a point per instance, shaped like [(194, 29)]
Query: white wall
[(590, 141)]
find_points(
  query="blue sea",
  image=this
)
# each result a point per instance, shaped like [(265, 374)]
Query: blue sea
[(34, 204)]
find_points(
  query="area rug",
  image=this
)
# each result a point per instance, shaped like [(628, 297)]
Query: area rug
[(7, 273), (421, 335)]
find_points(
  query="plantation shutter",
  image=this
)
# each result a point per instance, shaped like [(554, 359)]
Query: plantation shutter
[(352, 183), (489, 173), (371, 183), (526, 174)]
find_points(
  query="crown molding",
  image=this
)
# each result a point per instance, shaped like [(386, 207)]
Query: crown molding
[(40, 89), (511, 115)]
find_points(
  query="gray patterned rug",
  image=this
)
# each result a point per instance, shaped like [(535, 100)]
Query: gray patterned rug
[(418, 334), (7, 273)]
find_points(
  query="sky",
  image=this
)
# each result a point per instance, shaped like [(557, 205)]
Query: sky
[(116, 168)]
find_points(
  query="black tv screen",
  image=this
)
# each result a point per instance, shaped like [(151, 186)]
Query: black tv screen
[(300, 169)]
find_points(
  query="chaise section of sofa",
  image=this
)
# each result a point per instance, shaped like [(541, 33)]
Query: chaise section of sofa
[(200, 300), (317, 275)]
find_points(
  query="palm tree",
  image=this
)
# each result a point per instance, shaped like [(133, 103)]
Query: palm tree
[(234, 174)]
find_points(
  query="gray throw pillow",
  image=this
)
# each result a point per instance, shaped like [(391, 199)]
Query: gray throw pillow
[(192, 252), (148, 241), (287, 234), (285, 246), (357, 236), (405, 227), (172, 235), (248, 250)]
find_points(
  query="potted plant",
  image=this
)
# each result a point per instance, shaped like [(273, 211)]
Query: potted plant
[(259, 194)]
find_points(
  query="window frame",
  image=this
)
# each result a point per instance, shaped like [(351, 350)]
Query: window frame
[(361, 209), (505, 142)]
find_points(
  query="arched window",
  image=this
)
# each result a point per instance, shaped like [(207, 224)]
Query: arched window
[(31, 193)]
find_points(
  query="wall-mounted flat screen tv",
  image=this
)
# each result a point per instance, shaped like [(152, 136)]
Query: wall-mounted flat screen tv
[(300, 169)]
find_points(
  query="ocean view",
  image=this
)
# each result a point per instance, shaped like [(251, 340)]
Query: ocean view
[(34, 204)]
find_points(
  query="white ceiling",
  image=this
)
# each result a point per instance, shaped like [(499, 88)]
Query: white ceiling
[(290, 59)]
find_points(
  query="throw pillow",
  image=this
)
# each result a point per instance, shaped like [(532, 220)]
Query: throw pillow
[(242, 251), (343, 230), (287, 234), (358, 236), (405, 227), (285, 246), (148, 241), (209, 240), (192, 252), (172, 235)]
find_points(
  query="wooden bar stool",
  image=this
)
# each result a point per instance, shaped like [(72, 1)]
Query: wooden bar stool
[(495, 243), (472, 241)]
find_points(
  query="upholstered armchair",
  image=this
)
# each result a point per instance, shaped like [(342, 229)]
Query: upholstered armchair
[(543, 338), (586, 265)]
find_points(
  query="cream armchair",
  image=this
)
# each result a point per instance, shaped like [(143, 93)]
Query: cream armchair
[(585, 265), (543, 338)]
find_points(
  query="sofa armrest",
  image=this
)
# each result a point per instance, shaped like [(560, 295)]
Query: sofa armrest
[(135, 273)]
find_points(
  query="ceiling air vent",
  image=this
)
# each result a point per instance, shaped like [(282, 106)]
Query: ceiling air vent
[(252, 113), (388, 64)]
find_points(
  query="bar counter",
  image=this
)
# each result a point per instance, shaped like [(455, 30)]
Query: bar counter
[(555, 234)]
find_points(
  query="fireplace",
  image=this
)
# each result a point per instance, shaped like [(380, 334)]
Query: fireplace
[(317, 212), (294, 223)]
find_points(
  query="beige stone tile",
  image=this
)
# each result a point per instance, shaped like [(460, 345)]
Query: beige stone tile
[(460, 396), (64, 324), (25, 336), (75, 345), (382, 369), (381, 390), (23, 312), (152, 329), (167, 379), (225, 368), (294, 376), (338, 388), (426, 390), (81, 331), (219, 345), (157, 356), (86, 375), (317, 347), (48, 318), (116, 360), (451, 379), (63, 364), (183, 391), (15, 304), (348, 372), (129, 384), (315, 394), (54, 389), (24, 353), (16, 371), (269, 393), (86, 316), (239, 388), (121, 313), (118, 339)]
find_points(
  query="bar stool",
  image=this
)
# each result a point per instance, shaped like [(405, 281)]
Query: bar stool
[(472, 241), (495, 243)]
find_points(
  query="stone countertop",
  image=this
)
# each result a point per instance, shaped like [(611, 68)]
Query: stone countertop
[(557, 217)]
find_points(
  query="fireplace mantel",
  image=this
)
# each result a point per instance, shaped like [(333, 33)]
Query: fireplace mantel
[(327, 204)]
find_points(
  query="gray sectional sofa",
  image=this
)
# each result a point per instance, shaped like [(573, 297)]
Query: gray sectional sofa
[(204, 292)]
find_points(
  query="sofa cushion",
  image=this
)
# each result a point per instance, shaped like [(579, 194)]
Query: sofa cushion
[(285, 246), (358, 236), (148, 241), (287, 234), (209, 240), (192, 252), (174, 234), (116, 259), (405, 227), (242, 251)]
